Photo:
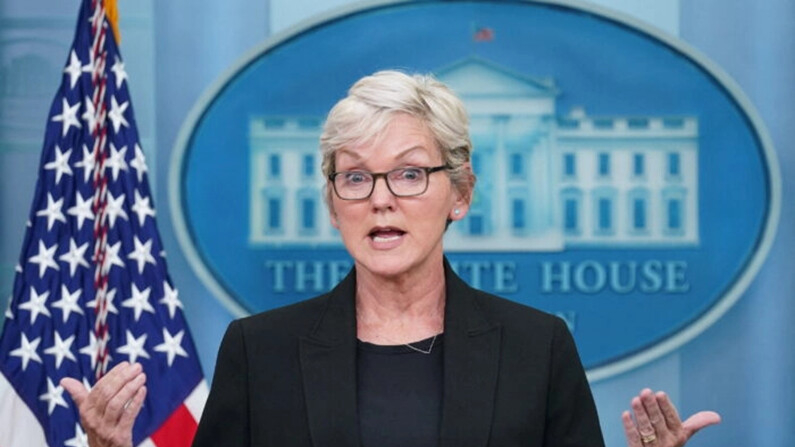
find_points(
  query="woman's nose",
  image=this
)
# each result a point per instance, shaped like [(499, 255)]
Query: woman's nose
[(381, 196)]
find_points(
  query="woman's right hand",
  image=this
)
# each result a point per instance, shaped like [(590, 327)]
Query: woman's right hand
[(109, 409)]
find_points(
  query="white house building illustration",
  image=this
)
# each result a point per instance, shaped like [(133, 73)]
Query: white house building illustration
[(546, 181)]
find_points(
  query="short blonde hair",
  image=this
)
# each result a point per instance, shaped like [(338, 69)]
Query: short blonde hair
[(374, 100)]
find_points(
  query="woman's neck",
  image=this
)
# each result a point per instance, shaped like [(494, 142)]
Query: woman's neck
[(400, 310)]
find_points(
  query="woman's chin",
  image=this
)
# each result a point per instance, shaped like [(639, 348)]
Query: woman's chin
[(389, 266), (392, 264)]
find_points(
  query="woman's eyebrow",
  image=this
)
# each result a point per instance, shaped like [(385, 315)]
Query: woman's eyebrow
[(350, 153), (408, 151), (402, 154)]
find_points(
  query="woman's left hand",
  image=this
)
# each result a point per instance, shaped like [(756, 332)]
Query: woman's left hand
[(657, 424)]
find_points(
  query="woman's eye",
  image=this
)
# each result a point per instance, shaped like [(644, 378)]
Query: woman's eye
[(355, 177), (410, 174)]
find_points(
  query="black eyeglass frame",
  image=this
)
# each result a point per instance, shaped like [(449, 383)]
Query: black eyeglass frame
[(376, 175)]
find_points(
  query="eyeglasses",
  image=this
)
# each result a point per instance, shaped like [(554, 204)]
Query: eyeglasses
[(402, 182)]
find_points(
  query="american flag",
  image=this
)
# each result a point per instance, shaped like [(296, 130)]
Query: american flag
[(91, 287), (483, 34)]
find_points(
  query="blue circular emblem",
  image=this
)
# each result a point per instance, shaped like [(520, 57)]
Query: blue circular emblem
[(625, 183)]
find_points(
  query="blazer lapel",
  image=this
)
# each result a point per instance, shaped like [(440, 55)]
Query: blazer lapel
[(328, 366), (471, 367)]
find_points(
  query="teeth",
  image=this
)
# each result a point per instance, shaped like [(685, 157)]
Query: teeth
[(385, 238)]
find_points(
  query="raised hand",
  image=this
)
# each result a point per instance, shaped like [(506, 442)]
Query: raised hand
[(108, 411), (656, 422)]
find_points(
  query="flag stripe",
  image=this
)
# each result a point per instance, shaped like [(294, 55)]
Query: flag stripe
[(177, 431), (15, 413), (196, 399)]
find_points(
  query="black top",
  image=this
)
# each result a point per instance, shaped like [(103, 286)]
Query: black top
[(399, 393)]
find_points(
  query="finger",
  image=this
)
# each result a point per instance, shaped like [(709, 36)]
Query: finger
[(630, 430), (700, 420), (669, 412), (656, 417), (644, 424), (131, 411), (75, 389), (119, 403), (110, 384)]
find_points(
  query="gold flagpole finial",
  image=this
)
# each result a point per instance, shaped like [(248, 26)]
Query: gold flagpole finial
[(112, 13)]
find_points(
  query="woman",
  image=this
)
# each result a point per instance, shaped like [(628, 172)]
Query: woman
[(402, 352)]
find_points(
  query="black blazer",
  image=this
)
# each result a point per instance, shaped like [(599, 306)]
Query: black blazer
[(512, 376)]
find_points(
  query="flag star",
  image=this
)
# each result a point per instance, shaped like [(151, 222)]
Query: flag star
[(80, 439), (68, 302), (35, 305), (109, 297), (75, 256), (116, 114), (44, 258), (134, 347), (92, 64), (118, 70), (27, 351), (9, 314), (68, 116), (90, 115), (52, 211), (53, 397), (139, 162), (60, 164), (91, 349), (82, 210), (61, 349), (87, 163), (142, 208), (172, 346), (116, 160), (170, 299), (74, 69), (139, 302), (142, 254), (115, 209), (112, 257)]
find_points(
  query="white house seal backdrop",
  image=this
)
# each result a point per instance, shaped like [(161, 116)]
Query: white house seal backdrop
[(607, 157)]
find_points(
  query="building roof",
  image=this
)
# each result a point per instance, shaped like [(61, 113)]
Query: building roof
[(475, 77)]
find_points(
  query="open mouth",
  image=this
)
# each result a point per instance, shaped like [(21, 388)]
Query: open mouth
[(385, 234)]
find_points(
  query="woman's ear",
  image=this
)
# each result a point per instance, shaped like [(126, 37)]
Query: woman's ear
[(463, 195)]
